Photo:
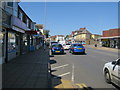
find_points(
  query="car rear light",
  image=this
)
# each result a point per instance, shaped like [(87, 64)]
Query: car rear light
[(73, 48)]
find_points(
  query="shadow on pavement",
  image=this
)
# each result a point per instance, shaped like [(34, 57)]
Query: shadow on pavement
[(117, 87), (56, 80), (60, 54), (51, 55), (52, 61)]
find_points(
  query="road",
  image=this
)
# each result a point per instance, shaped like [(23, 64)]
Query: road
[(85, 69)]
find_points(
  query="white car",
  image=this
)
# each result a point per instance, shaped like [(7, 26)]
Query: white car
[(111, 72), (66, 46)]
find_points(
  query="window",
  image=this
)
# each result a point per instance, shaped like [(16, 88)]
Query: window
[(24, 19), (11, 42), (10, 4), (20, 15), (57, 45), (77, 45), (67, 44), (27, 23)]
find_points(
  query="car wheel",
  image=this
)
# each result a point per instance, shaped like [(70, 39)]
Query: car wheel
[(107, 76), (72, 52), (52, 53)]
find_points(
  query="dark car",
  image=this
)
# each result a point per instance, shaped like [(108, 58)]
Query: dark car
[(57, 48), (77, 48)]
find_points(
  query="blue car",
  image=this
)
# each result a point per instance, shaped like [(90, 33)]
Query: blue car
[(77, 48), (57, 49)]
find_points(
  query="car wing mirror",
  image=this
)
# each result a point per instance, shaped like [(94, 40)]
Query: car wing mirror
[(114, 62)]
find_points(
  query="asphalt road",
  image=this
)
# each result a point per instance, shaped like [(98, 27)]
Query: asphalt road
[(85, 69)]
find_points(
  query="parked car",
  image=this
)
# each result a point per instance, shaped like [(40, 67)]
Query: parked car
[(77, 48), (111, 72), (66, 46), (57, 48), (52, 42)]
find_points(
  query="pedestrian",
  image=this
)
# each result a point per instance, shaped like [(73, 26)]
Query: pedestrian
[(44, 45), (95, 45)]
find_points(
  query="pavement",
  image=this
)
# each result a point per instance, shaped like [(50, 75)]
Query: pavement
[(104, 48), (30, 70)]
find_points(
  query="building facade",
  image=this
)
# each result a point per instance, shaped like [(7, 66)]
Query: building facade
[(60, 39), (111, 38), (83, 36), (17, 31)]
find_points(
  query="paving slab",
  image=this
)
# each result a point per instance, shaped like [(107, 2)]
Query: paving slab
[(27, 71)]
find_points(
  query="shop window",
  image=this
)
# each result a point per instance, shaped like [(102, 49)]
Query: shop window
[(25, 40), (11, 42), (1, 44)]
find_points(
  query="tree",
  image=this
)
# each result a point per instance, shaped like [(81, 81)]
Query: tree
[(46, 33), (67, 36)]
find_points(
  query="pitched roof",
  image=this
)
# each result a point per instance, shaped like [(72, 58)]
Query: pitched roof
[(86, 31)]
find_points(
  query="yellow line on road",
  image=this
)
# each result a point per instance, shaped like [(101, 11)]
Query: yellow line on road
[(82, 85)]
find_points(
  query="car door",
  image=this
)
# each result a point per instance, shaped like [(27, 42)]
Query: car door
[(116, 72)]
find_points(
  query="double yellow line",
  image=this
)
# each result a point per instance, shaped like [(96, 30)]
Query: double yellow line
[(82, 85)]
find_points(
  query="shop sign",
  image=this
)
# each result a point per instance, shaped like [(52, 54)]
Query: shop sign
[(18, 29), (105, 40)]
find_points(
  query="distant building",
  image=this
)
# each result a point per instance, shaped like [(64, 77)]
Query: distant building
[(83, 36), (111, 38), (52, 38), (60, 39)]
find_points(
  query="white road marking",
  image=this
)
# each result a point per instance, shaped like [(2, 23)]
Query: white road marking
[(60, 66), (73, 67), (64, 74)]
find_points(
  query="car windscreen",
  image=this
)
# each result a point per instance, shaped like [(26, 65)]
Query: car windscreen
[(67, 44), (77, 45), (57, 45), (53, 42)]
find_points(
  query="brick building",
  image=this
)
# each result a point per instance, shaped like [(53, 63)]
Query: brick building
[(111, 38)]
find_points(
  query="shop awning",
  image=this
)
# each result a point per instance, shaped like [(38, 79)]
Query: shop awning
[(31, 32), (37, 35), (109, 37)]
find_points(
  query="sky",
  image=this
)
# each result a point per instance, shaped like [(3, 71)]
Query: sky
[(61, 18)]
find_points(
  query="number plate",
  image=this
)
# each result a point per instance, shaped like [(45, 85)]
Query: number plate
[(57, 51), (79, 48)]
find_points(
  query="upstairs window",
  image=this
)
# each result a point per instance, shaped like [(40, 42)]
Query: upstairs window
[(10, 4), (20, 16), (27, 23)]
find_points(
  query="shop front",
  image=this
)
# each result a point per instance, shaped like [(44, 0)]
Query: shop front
[(12, 52), (112, 42), (1, 47), (105, 42), (31, 40)]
